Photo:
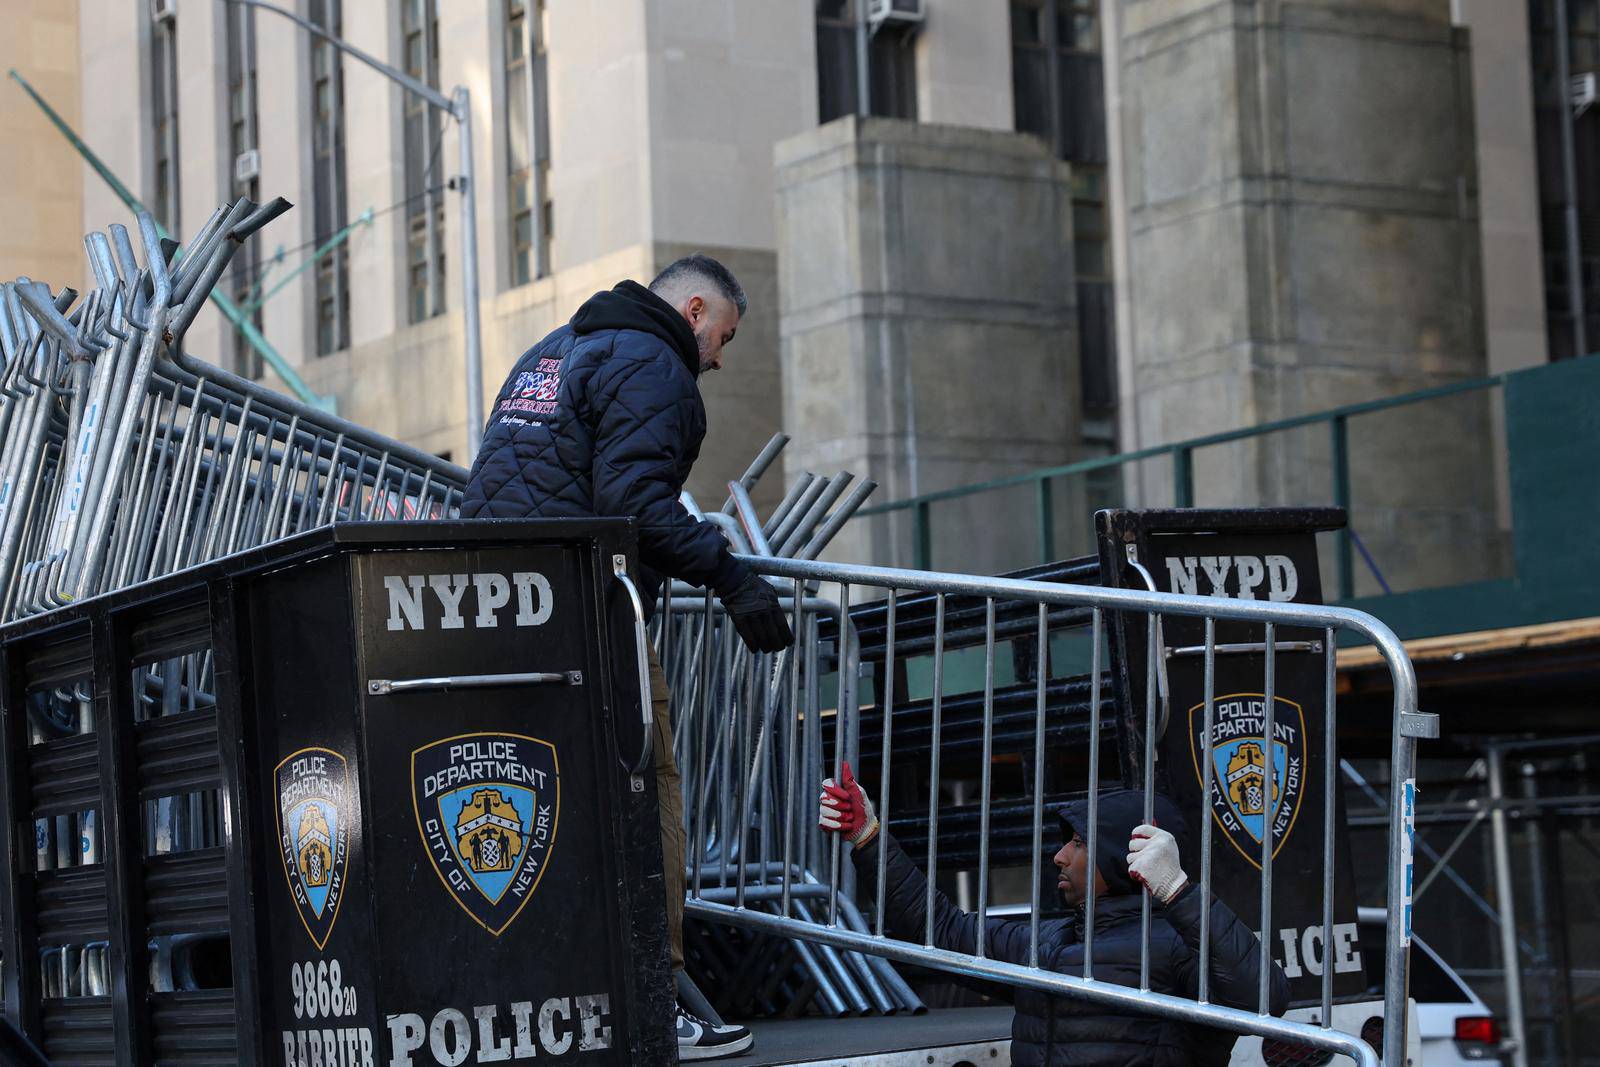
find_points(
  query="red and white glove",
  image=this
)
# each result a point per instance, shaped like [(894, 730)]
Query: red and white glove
[(844, 809), (1153, 862)]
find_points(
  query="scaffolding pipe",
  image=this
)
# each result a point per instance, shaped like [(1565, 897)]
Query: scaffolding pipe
[(1515, 1021)]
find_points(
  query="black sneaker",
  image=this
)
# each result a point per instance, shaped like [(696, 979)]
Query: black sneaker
[(700, 1040)]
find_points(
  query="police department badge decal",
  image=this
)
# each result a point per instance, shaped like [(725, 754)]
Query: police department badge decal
[(1239, 782), (487, 806), (315, 810)]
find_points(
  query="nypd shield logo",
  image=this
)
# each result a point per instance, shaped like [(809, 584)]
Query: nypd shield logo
[(1249, 789), (487, 806), (315, 810)]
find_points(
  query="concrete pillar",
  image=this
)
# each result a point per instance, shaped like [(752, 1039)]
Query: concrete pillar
[(283, 110), (1508, 183), (600, 159), (116, 111), (964, 65), (1296, 240), (1508, 205), (204, 165), (472, 54), (42, 170), (928, 333), (729, 79), (375, 164)]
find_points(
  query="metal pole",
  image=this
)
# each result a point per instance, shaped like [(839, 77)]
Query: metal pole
[(427, 92), (1507, 908), (1569, 187), (469, 274), (1540, 972), (864, 62)]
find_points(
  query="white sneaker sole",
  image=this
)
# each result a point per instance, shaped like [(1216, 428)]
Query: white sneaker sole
[(715, 1052)]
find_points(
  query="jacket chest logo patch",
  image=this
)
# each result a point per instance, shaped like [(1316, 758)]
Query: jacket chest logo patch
[(487, 805), (315, 812), (1249, 790)]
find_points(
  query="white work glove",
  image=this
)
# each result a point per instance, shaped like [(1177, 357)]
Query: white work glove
[(844, 809), (1153, 862)]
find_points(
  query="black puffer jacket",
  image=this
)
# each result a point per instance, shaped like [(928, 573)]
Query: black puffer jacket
[(1235, 950), (604, 418), (1050, 1031)]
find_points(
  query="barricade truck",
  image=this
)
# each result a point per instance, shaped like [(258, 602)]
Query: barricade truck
[(382, 793)]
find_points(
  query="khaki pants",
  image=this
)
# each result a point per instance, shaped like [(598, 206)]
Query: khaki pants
[(669, 796)]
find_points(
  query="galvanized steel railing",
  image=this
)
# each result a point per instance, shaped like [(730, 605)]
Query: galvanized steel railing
[(750, 740)]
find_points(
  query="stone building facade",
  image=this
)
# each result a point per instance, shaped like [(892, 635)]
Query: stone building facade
[(41, 182), (1038, 230)]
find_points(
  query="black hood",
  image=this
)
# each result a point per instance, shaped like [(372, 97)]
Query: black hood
[(1119, 812), (630, 306)]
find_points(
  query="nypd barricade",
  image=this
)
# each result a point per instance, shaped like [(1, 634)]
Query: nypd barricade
[(1258, 787)]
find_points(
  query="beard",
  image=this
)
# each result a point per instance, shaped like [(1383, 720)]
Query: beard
[(702, 342)]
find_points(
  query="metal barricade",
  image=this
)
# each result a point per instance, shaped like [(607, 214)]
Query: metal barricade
[(125, 459), (751, 735), (801, 526)]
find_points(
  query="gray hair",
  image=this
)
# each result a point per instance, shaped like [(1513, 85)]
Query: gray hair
[(699, 269)]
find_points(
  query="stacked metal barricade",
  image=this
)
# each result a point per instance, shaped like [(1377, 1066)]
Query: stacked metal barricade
[(123, 459), (727, 704)]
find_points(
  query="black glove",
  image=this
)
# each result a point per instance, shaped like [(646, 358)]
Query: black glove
[(753, 607)]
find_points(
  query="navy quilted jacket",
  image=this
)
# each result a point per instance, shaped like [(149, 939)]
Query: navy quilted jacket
[(1050, 1031), (604, 418)]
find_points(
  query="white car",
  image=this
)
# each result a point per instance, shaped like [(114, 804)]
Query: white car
[(1455, 1025), (1449, 1023)]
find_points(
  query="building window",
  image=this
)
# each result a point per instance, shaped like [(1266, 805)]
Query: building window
[(1057, 81), (1569, 212), (1059, 95), (527, 140), (164, 115), (424, 129), (240, 27), (891, 65), (329, 190)]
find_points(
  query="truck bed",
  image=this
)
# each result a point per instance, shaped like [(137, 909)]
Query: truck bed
[(976, 1035)]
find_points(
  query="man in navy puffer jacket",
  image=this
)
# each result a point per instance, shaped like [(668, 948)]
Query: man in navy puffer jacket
[(604, 418), (1133, 857)]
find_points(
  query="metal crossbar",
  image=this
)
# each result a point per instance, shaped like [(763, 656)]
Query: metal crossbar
[(751, 735)]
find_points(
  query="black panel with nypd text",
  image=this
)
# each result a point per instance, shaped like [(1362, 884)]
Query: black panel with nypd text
[(515, 913), (505, 888), (1264, 554)]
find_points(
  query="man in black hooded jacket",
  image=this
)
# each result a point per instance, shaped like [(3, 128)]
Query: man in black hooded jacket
[(604, 418), (1050, 1031)]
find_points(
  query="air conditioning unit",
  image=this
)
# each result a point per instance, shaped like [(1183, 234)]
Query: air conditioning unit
[(246, 165), (163, 10), (1583, 91), (903, 15)]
